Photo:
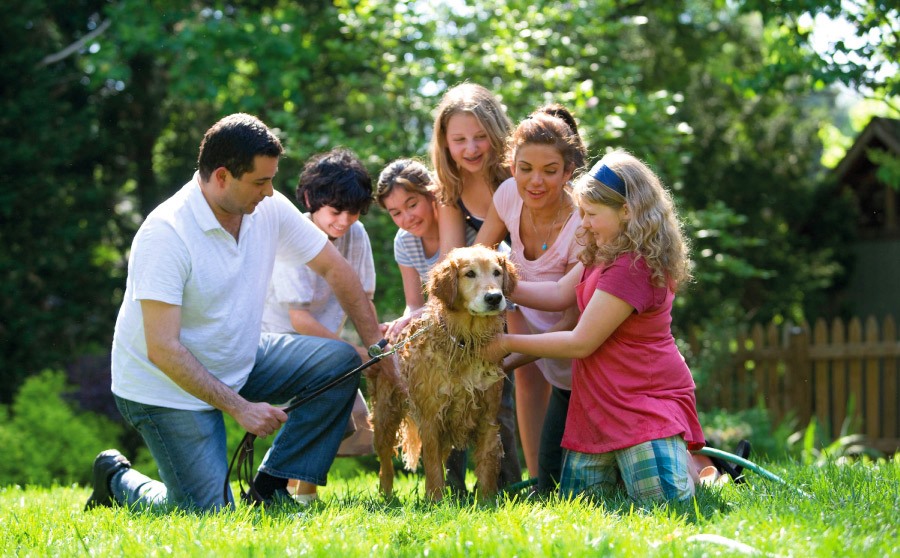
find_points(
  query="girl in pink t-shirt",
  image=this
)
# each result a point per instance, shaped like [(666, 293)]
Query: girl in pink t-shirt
[(632, 415)]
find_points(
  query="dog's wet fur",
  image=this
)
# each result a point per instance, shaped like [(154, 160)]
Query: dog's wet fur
[(454, 395)]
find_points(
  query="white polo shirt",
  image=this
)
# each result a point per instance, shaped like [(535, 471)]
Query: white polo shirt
[(181, 255)]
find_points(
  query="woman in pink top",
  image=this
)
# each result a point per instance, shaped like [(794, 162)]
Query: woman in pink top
[(632, 415), (536, 210)]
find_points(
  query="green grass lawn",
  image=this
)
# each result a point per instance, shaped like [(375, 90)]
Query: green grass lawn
[(852, 510)]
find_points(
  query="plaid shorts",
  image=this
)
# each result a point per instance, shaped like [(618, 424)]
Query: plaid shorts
[(654, 471)]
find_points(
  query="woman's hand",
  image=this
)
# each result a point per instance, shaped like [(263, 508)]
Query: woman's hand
[(392, 330)]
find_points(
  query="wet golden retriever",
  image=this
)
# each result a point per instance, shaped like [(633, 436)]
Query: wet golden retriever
[(454, 395)]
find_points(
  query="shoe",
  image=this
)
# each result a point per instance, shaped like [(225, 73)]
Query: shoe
[(106, 464), (280, 497), (743, 451), (734, 470), (305, 500)]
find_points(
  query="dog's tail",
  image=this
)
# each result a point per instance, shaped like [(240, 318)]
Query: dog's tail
[(410, 443)]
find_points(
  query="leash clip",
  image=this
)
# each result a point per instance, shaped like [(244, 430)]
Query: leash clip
[(377, 349)]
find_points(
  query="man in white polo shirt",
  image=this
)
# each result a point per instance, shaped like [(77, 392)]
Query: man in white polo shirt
[(187, 344)]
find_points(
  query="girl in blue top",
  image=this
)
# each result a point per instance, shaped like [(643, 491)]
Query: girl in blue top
[(407, 192)]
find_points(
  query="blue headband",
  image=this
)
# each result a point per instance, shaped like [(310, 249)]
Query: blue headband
[(609, 178)]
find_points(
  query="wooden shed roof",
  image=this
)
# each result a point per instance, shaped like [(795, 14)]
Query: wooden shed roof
[(879, 133)]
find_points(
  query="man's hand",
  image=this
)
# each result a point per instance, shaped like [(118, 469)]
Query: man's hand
[(260, 419)]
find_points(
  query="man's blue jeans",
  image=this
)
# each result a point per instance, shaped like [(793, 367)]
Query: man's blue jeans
[(189, 446)]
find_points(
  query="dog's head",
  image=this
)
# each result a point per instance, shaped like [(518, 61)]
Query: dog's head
[(475, 278)]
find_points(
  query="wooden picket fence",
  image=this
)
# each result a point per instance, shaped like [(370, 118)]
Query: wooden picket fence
[(826, 373)]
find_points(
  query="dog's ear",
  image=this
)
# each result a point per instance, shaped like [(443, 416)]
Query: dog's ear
[(510, 275), (443, 282)]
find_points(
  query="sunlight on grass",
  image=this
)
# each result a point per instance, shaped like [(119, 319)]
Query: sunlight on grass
[(852, 512)]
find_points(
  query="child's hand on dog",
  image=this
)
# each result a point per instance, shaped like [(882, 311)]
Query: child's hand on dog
[(495, 351), (516, 360)]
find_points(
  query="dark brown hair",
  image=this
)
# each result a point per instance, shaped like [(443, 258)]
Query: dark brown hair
[(551, 125)]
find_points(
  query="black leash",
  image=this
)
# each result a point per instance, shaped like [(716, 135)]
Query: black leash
[(242, 460)]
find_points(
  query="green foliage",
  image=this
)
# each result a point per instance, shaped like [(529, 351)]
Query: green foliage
[(61, 259), (810, 445), (724, 429), (814, 447), (714, 95), (45, 440), (857, 62), (888, 167)]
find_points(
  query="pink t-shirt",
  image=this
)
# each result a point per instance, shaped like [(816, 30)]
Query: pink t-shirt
[(636, 386), (549, 266)]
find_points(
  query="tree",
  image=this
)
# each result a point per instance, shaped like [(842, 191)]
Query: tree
[(865, 62), (689, 86), (60, 256)]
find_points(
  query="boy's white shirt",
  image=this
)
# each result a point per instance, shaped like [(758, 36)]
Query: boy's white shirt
[(299, 287)]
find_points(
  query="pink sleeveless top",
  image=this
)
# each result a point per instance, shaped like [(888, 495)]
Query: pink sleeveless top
[(549, 266)]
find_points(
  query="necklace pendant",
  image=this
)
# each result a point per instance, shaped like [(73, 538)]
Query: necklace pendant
[(544, 246)]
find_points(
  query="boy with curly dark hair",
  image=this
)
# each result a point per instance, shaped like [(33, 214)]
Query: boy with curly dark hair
[(336, 189)]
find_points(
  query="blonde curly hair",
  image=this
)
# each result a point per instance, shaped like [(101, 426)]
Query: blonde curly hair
[(653, 229)]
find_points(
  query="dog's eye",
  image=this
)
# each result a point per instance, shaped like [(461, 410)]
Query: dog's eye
[(470, 274), (497, 273)]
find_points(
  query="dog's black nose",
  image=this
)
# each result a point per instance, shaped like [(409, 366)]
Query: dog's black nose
[(493, 298)]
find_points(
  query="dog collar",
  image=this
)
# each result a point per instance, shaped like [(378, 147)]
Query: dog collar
[(460, 344)]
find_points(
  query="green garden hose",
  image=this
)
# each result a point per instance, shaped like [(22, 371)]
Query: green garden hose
[(518, 486), (746, 464), (707, 451)]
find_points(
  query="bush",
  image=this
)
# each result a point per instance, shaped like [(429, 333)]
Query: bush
[(724, 429), (45, 440)]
